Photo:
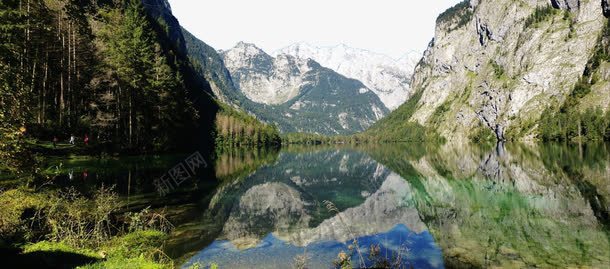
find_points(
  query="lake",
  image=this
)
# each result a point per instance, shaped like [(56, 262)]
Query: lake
[(403, 205)]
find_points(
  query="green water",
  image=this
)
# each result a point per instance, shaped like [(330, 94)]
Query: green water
[(513, 205)]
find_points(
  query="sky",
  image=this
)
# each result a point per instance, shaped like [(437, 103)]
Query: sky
[(392, 27)]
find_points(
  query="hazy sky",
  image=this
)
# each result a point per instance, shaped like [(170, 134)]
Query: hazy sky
[(393, 27)]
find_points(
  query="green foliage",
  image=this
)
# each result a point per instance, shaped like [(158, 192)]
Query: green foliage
[(567, 16), (311, 139), (398, 127), (457, 16), (87, 67), (541, 14), (569, 122), (437, 117), (14, 222), (87, 226), (235, 129), (12, 147), (155, 99), (79, 221), (498, 69), (482, 135), (50, 247)]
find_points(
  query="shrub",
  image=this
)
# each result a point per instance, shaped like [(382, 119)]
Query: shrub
[(498, 69), (541, 14), (482, 134), (17, 210), (79, 221)]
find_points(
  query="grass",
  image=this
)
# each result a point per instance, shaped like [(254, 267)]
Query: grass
[(140, 249), (80, 231), (14, 207), (47, 246)]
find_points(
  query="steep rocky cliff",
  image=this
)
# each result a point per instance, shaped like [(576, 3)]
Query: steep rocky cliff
[(493, 67)]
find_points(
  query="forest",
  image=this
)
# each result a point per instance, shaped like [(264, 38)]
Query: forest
[(79, 68), (99, 81), (107, 70)]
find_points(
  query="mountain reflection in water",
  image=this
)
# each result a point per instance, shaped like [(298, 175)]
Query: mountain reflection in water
[(453, 206)]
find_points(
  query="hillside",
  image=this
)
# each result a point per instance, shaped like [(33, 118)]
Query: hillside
[(494, 68), (297, 95)]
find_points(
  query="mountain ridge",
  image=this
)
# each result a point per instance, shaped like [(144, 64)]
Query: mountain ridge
[(311, 98), (387, 77)]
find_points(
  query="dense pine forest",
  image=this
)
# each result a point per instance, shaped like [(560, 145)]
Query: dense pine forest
[(78, 67), (114, 71)]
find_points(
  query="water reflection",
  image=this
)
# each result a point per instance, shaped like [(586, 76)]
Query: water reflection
[(455, 206), (278, 213), (507, 208), (514, 205)]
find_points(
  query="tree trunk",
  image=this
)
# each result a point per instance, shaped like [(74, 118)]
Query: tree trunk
[(44, 89), (69, 90), (130, 117), (61, 75)]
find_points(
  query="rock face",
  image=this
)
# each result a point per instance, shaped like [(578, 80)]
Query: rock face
[(488, 67), (570, 5), (264, 79), (161, 9), (386, 77), (299, 94)]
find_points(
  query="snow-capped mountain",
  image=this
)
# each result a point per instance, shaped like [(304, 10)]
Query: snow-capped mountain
[(297, 94), (388, 78)]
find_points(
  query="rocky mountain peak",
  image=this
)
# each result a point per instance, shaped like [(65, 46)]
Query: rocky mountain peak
[(297, 93), (388, 78), (247, 56), (245, 51)]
